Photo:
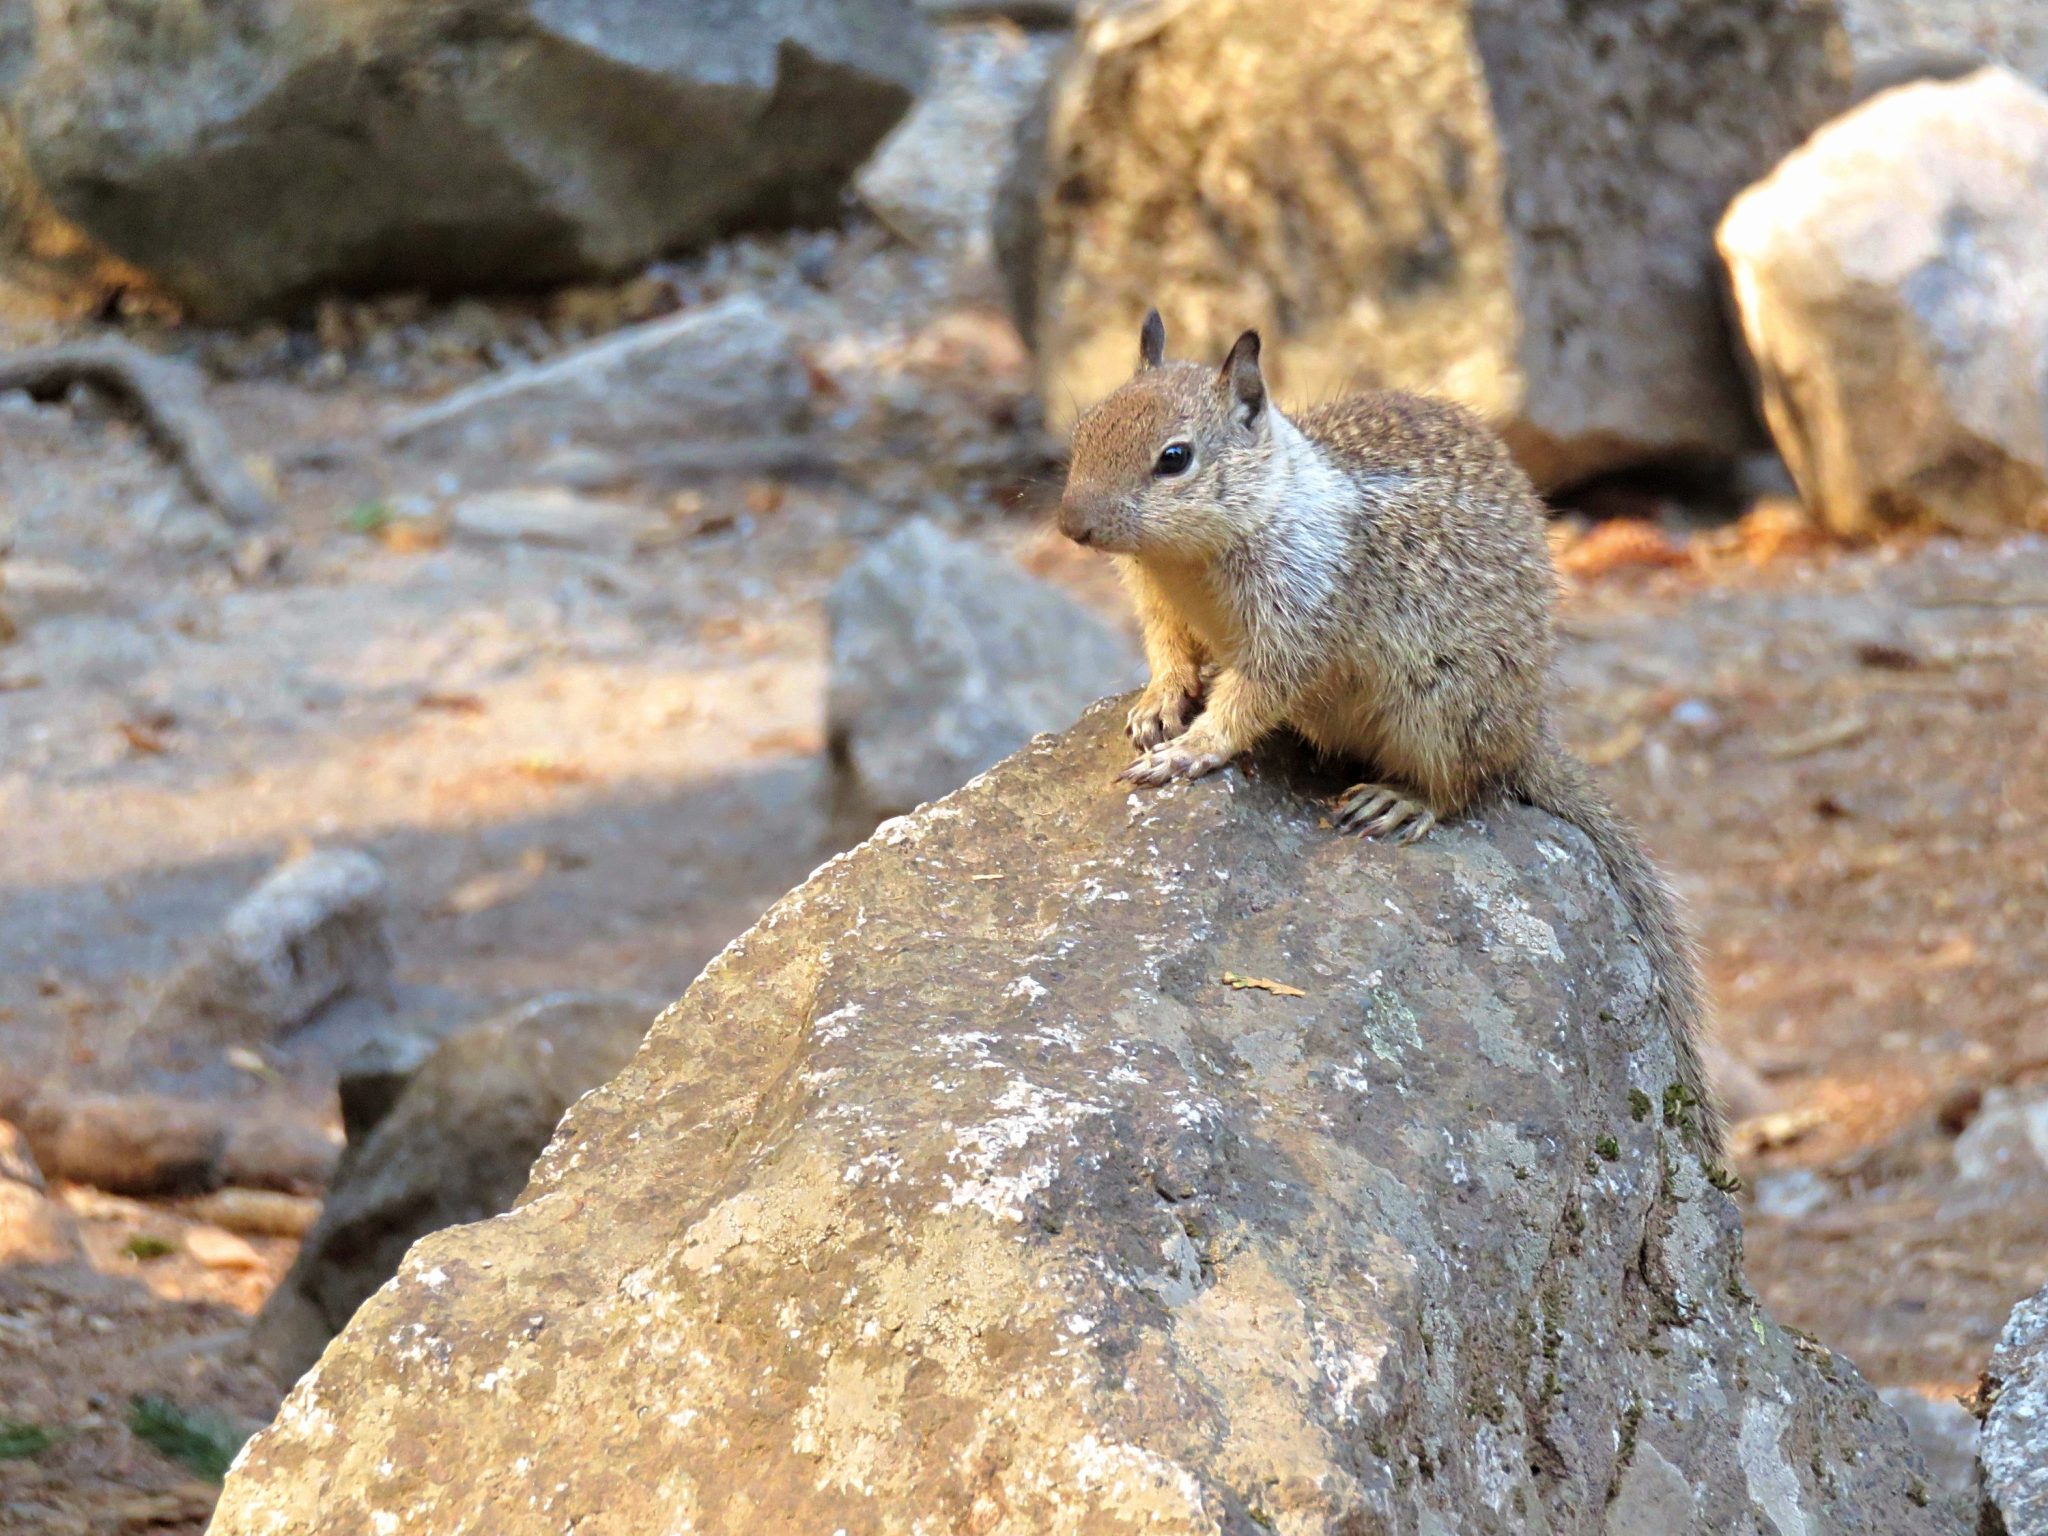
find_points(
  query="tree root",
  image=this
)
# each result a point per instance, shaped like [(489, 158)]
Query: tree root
[(167, 395)]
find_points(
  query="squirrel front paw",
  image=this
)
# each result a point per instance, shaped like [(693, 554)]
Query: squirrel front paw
[(1162, 712), (1188, 756)]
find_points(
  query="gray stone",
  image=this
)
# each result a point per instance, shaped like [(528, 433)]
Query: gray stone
[(2012, 1451), (253, 158), (730, 368), (1894, 41), (1891, 293), (1508, 201), (946, 658), (372, 1077), (963, 1194), (454, 1146), (2005, 1142), (311, 932), (551, 515), (934, 178), (1943, 1432)]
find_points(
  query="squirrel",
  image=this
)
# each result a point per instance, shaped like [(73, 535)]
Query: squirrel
[(1372, 573)]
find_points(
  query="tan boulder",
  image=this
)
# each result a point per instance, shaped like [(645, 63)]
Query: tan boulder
[(1893, 296)]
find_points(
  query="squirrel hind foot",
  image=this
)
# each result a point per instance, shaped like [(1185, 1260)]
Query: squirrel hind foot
[(1378, 811)]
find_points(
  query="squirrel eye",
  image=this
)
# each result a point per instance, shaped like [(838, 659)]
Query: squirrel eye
[(1174, 459)]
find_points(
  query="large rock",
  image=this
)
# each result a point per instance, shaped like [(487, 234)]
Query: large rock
[(946, 658), (454, 1146), (2012, 1450), (1892, 293), (252, 156), (1510, 201), (961, 1194)]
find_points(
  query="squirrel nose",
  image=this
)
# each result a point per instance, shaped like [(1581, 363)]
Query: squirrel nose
[(1075, 522)]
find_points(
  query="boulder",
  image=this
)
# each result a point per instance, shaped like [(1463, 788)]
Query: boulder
[(2012, 1449), (311, 932), (253, 157), (1891, 293), (934, 179), (1068, 1160), (130, 1143), (1508, 201), (730, 368), (946, 658), (454, 1146)]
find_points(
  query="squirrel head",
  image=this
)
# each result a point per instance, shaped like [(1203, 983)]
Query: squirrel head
[(1154, 465)]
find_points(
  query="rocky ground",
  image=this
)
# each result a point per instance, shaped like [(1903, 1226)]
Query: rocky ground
[(590, 753)]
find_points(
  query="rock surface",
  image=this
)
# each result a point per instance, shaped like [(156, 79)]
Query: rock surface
[(961, 1194), (251, 158), (311, 932), (33, 1228), (730, 367), (2013, 1447), (1509, 202), (1891, 292), (934, 179), (947, 658), (454, 1146)]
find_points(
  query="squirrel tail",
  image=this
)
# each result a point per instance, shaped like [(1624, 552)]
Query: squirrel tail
[(1555, 781)]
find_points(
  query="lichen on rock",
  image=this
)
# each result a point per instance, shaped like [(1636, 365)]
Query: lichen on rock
[(962, 1194)]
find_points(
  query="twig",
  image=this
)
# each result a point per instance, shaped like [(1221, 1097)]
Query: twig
[(168, 396)]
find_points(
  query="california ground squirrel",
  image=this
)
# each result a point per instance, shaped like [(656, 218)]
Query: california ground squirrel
[(1373, 574)]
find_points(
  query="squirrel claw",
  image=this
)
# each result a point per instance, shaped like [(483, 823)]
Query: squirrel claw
[(1379, 812), (1158, 718), (1172, 760)]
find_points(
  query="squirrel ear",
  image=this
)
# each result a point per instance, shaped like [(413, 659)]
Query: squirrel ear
[(1152, 341), (1242, 378)]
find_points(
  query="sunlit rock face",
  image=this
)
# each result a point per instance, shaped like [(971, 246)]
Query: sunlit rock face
[(964, 1193)]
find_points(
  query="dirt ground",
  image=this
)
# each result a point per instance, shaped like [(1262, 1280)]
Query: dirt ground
[(593, 767)]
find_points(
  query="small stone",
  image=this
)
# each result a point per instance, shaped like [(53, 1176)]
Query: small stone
[(1789, 1196), (217, 1249), (2008, 1139), (190, 531), (554, 516)]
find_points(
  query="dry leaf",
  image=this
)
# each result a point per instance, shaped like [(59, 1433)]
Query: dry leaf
[(1260, 984), (1836, 733), (1622, 541), (451, 703), (143, 739), (546, 770)]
